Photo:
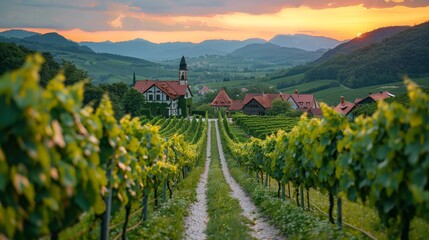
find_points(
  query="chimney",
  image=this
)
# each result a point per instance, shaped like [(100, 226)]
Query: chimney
[(381, 91), (342, 100), (296, 91), (369, 93)]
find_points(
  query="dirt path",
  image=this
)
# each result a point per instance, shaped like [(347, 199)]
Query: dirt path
[(196, 222), (261, 228)]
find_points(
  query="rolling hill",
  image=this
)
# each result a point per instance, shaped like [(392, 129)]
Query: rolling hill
[(272, 53), (305, 42), (365, 40), (101, 67), (17, 33), (144, 49), (404, 53)]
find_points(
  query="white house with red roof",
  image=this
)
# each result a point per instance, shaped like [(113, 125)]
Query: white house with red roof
[(174, 95)]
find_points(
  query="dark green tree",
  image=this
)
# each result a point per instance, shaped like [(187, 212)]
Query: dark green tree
[(72, 73), (279, 107), (133, 102)]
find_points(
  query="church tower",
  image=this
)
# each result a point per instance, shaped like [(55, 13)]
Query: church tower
[(183, 72)]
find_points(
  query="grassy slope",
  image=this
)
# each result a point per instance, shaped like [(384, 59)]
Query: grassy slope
[(306, 86), (114, 68), (332, 96)]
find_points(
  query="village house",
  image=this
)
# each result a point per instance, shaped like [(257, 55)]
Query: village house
[(374, 97), (257, 104), (169, 98), (222, 100), (346, 108)]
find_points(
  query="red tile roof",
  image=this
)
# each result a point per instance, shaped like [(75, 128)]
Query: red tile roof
[(221, 100), (345, 107), (376, 96), (304, 101), (236, 105), (266, 100), (317, 112), (172, 88), (381, 95)]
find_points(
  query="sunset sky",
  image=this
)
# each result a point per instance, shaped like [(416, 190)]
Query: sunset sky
[(198, 20)]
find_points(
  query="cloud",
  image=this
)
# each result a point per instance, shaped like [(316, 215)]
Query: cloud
[(158, 15), (196, 7)]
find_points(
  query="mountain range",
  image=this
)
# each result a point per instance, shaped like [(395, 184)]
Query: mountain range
[(144, 49)]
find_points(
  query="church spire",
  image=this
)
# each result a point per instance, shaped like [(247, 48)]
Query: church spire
[(183, 72)]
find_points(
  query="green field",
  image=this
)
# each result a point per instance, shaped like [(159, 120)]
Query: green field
[(332, 96), (109, 68), (306, 86)]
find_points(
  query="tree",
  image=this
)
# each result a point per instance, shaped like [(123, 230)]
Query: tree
[(133, 102), (13, 56), (279, 107), (72, 73)]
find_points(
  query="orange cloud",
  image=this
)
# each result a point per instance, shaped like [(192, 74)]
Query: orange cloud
[(340, 23)]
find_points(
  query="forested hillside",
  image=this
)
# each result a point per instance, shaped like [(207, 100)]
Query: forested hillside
[(101, 67), (406, 53), (364, 40)]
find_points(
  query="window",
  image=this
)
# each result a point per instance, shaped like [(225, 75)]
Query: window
[(158, 97), (308, 104), (158, 90), (300, 103), (150, 91), (151, 97), (167, 97)]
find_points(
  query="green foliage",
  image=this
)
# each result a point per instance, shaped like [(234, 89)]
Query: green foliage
[(279, 107), (157, 109), (59, 159), (133, 102), (383, 158), (13, 56), (185, 105), (206, 108), (49, 161), (262, 126)]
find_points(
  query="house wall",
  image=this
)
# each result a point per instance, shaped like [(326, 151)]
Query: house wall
[(254, 108), (366, 101), (155, 95), (292, 103)]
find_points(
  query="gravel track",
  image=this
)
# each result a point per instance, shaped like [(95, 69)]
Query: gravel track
[(196, 221), (261, 228)]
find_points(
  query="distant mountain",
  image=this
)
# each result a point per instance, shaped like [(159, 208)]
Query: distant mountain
[(50, 38), (404, 53), (303, 41), (364, 40), (17, 33), (272, 53), (141, 48)]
